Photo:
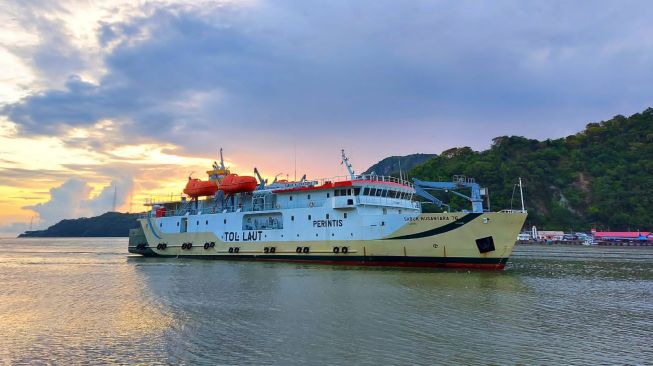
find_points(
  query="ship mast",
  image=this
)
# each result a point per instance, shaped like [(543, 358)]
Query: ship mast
[(345, 160), (221, 160)]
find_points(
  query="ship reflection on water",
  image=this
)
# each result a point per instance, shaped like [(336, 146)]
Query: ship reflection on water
[(81, 301)]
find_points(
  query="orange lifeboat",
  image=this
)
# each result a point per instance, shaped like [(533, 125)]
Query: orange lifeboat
[(233, 183), (196, 188)]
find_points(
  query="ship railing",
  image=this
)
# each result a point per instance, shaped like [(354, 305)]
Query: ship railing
[(365, 177)]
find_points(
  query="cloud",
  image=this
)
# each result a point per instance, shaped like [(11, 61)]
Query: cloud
[(352, 74), (74, 199), (13, 229)]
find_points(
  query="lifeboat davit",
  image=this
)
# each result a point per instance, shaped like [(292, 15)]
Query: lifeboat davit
[(233, 183), (197, 188)]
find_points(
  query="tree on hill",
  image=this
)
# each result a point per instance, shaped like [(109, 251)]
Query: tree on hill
[(598, 177)]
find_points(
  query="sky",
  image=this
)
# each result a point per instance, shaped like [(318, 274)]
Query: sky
[(122, 100)]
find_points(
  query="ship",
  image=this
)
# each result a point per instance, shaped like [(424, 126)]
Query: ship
[(357, 219)]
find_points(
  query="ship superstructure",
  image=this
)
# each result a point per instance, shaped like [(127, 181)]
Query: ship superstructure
[(355, 219)]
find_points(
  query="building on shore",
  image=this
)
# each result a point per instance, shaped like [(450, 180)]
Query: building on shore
[(622, 235), (550, 235)]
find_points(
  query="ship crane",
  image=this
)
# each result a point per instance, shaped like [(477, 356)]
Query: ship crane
[(459, 182), (345, 160), (262, 182)]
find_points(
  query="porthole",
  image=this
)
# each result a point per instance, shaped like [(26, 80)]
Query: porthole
[(225, 221), (309, 217), (345, 215), (207, 222), (327, 216), (292, 218), (198, 223)]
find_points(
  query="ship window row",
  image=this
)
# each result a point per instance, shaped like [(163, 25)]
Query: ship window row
[(389, 193), (347, 192)]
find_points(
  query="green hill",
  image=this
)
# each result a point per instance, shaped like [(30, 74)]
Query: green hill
[(602, 176), (108, 224), (390, 165)]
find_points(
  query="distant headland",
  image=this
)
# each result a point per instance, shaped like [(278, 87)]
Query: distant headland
[(110, 224)]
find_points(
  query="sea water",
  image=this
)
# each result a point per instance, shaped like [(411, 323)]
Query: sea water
[(87, 301)]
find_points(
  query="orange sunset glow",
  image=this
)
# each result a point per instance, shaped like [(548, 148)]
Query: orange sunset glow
[(125, 99)]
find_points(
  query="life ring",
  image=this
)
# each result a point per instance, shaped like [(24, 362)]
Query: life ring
[(311, 204), (345, 250)]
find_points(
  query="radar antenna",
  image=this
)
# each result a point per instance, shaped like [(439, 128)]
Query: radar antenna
[(345, 160)]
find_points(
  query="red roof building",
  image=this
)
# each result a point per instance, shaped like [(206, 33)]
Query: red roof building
[(622, 235)]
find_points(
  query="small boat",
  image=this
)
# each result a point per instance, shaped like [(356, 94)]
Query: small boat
[(197, 188), (233, 183)]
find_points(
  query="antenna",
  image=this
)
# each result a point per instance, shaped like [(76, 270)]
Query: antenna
[(521, 193), (345, 160), (221, 160), (295, 147)]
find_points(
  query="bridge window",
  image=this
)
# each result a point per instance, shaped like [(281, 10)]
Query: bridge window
[(372, 191), (378, 192), (357, 191), (366, 191)]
